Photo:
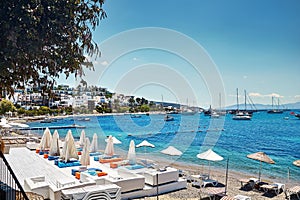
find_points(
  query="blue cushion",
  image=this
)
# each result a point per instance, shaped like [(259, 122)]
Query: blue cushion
[(73, 171), (133, 167), (95, 154), (53, 157), (92, 172), (68, 164), (95, 169)]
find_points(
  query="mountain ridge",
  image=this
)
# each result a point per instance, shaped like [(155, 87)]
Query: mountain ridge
[(288, 106)]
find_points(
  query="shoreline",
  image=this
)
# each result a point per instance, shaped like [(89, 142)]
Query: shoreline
[(233, 185), (219, 174)]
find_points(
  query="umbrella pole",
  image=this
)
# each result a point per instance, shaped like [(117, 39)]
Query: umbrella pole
[(226, 181), (259, 174), (209, 169), (157, 186), (288, 175)]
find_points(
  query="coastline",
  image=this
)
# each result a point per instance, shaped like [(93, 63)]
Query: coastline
[(233, 182), (233, 185), (216, 173)]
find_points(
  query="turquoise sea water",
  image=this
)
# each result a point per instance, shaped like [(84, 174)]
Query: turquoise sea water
[(271, 133)]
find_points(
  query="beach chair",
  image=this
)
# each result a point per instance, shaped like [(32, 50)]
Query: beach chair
[(241, 197), (275, 187), (209, 182), (248, 183), (227, 198), (295, 190), (213, 192), (237, 197)]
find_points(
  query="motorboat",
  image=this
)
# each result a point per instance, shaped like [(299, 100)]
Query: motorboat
[(169, 118), (242, 116), (135, 116)]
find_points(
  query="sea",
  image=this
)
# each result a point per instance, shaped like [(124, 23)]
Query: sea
[(277, 135)]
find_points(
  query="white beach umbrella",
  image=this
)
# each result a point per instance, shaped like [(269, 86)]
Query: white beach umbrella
[(94, 145), (69, 148), (172, 151), (109, 149), (54, 147), (115, 140), (46, 140), (131, 156), (85, 156), (145, 143), (82, 138), (209, 155)]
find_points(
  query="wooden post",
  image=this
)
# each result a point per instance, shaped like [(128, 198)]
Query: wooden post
[(2, 145), (157, 186)]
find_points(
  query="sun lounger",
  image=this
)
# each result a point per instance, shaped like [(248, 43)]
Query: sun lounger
[(275, 187), (133, 167), (213, 192), (248, 183), (209, 182), (109, 160), (241, 197), (95, 154), (53, 157), (148, 163), (119, 163), (227, 198), (295, 190), (196, 184), (203, 183), (62, 164)]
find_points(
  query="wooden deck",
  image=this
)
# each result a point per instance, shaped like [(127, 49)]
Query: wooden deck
[(27, 164)]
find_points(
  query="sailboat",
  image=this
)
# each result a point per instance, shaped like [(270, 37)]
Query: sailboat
[(186, 110), (241, 115), (273, 110)]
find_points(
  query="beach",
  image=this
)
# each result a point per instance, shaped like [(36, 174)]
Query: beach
[(233, 183), (229, 145)]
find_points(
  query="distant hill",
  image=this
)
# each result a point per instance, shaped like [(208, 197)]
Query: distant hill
[(290, 106)]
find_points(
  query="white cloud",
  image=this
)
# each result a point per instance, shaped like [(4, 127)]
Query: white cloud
[(297, 96), (274, 95), (255, 94), (134, 59), (104, 63)]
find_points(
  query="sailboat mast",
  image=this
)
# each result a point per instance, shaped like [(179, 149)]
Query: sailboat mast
[(220, 109), (237, 99), (245, 100)]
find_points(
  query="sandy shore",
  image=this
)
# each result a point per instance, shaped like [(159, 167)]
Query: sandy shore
[(233, 187)]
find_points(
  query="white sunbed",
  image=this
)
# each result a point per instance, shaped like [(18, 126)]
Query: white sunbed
[(291, 191), (275, 187)]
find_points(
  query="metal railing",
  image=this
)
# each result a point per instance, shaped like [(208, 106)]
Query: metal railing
[(10, 187)]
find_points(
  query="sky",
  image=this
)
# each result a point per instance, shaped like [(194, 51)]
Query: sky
[(196, 49)]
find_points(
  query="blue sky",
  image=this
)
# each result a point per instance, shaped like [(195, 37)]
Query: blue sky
[(255, 45)]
